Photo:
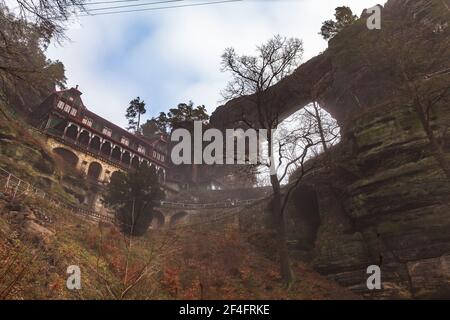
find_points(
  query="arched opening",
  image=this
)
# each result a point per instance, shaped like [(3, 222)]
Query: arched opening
[(161, 175), (303, 135), (106, 149), (115, 173), (158, 220), (95, 144), (145, 162), (58, 127), (116, 153), (305, 214), (67, 156), (178, 217), (95, 170), (135, 162), (83, 139), (72, 132), (126, 158)]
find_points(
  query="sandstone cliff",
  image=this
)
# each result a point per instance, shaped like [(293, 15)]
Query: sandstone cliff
[(385, 197)]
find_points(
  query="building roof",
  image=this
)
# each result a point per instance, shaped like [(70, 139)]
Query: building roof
[(117, 130)]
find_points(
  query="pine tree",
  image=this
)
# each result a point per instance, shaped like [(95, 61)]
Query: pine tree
[(344, 17), (133, 196), (134, 112)]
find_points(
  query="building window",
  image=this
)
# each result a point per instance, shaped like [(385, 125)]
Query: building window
[(107, 131), (162, 158), (154, 154), (158, 156), (141, 149), (73, 112), (61, 105), (125, 141), (67, 108), (87, 121)]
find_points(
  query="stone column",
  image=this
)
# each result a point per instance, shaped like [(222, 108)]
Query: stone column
[(78, 134), (65, 129), (111, 150), (90, 139), (102, 142)]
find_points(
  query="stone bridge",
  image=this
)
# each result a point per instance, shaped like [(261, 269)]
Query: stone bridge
[(175, 213)]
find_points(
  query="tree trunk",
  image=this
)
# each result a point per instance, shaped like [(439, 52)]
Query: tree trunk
[(138, 122), (287, 274), (320, 127)]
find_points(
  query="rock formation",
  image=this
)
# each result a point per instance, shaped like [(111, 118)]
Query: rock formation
[(385, 198)]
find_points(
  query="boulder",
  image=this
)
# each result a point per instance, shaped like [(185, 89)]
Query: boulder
[(430, 278), (37, 232)]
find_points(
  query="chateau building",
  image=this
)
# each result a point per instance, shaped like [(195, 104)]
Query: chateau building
[(91, 143)]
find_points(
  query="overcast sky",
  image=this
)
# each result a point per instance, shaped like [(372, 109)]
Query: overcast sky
[(173, 55)]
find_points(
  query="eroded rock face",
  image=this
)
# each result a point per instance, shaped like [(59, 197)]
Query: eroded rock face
[(398, 207), (430, 276), (386, 199)]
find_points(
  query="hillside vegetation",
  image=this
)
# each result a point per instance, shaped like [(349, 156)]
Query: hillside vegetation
[(23, 152), (38, 241)]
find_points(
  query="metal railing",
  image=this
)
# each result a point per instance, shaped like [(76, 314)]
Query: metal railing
[(16, 188), (224, 204)]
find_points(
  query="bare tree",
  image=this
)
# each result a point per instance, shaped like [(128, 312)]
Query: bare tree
[(25, 33), (252, 78), (50, 15)]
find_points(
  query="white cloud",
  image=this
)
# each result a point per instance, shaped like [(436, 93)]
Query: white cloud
[(171, 56)]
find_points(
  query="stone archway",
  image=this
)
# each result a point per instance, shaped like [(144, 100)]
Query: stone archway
[(158, 220), (161, 175), (95, 144), (135, 162), (106, 149), (83, 138), (116, 154), (178, 217), (95, 170), (67, 156), (72, 132), (59, 126), (115, 173), (126, 158)]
